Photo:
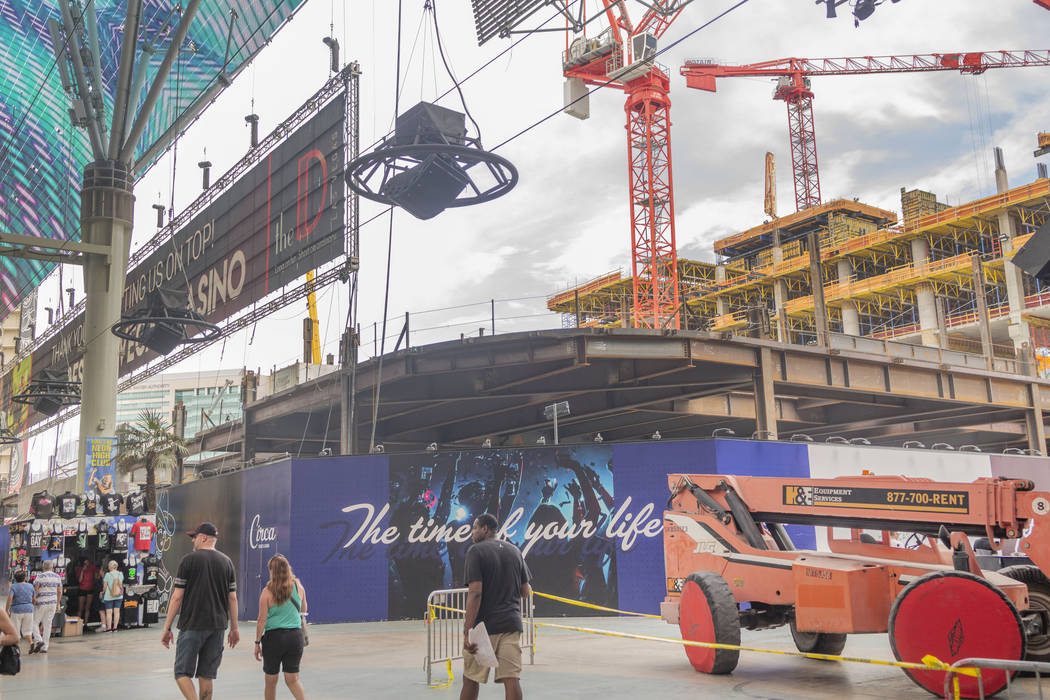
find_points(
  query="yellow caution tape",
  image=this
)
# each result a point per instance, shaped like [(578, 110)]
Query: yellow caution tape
[(592, 606), (929, 663)]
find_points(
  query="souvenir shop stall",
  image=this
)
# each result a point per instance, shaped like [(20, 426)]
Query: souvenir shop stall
[(82, 534)]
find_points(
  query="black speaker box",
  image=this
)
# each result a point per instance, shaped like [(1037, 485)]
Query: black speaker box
[(1034, 256), (47, 406), (427, 189), (162, 337), (430, 123)]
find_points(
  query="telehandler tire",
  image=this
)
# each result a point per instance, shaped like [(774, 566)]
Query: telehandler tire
[(709, 613), (1038, 646), (818, 642)]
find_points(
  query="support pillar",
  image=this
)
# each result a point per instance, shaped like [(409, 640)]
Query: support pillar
[(926, 302), (106, 213), (765, 402), (850, 313), (982, 311), (1034, 421), (816, 279), (1018, 330), (925, 299), (720, 303)]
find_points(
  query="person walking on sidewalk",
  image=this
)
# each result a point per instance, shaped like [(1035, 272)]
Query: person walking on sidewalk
[(206, 593), (497, 579), (20, 605), (279, 639), (48, 587)]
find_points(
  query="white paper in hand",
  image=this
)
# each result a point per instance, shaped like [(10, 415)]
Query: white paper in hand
[(485, 655)]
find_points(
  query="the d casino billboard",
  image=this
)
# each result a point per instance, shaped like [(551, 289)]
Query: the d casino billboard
[(280, 220)]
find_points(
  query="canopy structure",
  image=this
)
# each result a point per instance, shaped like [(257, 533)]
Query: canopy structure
[(42, 154)]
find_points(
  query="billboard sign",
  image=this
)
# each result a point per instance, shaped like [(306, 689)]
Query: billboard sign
[(102, 477), (283, 218)]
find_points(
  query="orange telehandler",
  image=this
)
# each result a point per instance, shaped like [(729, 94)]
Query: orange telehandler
[(730, 564)]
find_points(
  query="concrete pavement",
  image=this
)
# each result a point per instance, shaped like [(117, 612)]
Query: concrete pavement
[(385, 660)]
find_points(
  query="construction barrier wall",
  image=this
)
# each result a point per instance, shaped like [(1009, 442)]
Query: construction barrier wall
[(371, 537)]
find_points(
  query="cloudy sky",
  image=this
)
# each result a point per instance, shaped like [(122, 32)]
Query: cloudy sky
[(567, 220)]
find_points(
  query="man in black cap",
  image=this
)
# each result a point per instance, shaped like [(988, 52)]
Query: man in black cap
[(206, 592)]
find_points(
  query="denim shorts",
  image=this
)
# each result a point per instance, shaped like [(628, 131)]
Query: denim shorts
[(112, 604), (198, 653)]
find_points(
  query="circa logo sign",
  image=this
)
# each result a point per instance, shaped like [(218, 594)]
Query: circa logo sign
[(260, 537)]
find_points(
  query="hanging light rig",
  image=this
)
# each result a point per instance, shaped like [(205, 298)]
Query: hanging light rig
[(49, 393), (425, 166), (165, 322)]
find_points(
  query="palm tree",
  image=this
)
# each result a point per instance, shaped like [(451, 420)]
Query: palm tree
[(143, 444)]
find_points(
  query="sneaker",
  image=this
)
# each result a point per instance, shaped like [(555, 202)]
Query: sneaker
[(43, 651), (34, 647)]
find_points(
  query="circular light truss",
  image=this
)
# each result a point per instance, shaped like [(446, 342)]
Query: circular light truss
[(7, 437), (189, 327), (56, 393), (390, 161)]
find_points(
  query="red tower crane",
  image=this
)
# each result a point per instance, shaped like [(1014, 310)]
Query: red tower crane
[(622, 56), (793, 86)]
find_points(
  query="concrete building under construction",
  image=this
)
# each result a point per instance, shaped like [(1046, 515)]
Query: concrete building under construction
[(938, 276)]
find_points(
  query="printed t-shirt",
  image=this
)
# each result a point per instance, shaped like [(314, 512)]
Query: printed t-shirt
[(57, 538), (120, 537), (135, 503), (111, 503), (68, 504), (207, 578), (47, 584), (82, 534), (107, 585), (499, 566), (143, 532), (90, 503), (42, 505), (36, 539)]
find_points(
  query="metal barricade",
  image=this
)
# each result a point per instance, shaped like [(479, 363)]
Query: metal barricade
[(444, 625), (1038, 669)]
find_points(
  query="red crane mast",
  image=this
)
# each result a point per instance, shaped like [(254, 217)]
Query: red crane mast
[(793, 87), (621, 57)]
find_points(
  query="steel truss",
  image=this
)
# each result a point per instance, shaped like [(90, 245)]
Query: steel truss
[(654, 261)]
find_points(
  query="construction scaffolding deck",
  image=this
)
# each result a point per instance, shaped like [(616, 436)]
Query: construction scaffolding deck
[(916, 279)]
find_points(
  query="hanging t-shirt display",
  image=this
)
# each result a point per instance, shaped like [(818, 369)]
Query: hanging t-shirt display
[(111, 503), (151, 606), (104, 540), (120, 537), (143, 532), (90, 503), (130, 609), (42, 505), (150, 569), (57, 538), (131, 577), (135, 503), (68, 504), (36, 539), (82, 534)]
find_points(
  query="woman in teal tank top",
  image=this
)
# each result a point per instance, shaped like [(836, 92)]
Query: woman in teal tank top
[(279, 633)]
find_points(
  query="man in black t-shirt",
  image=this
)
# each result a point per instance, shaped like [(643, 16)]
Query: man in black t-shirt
[(206, 592), (497, 579)]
